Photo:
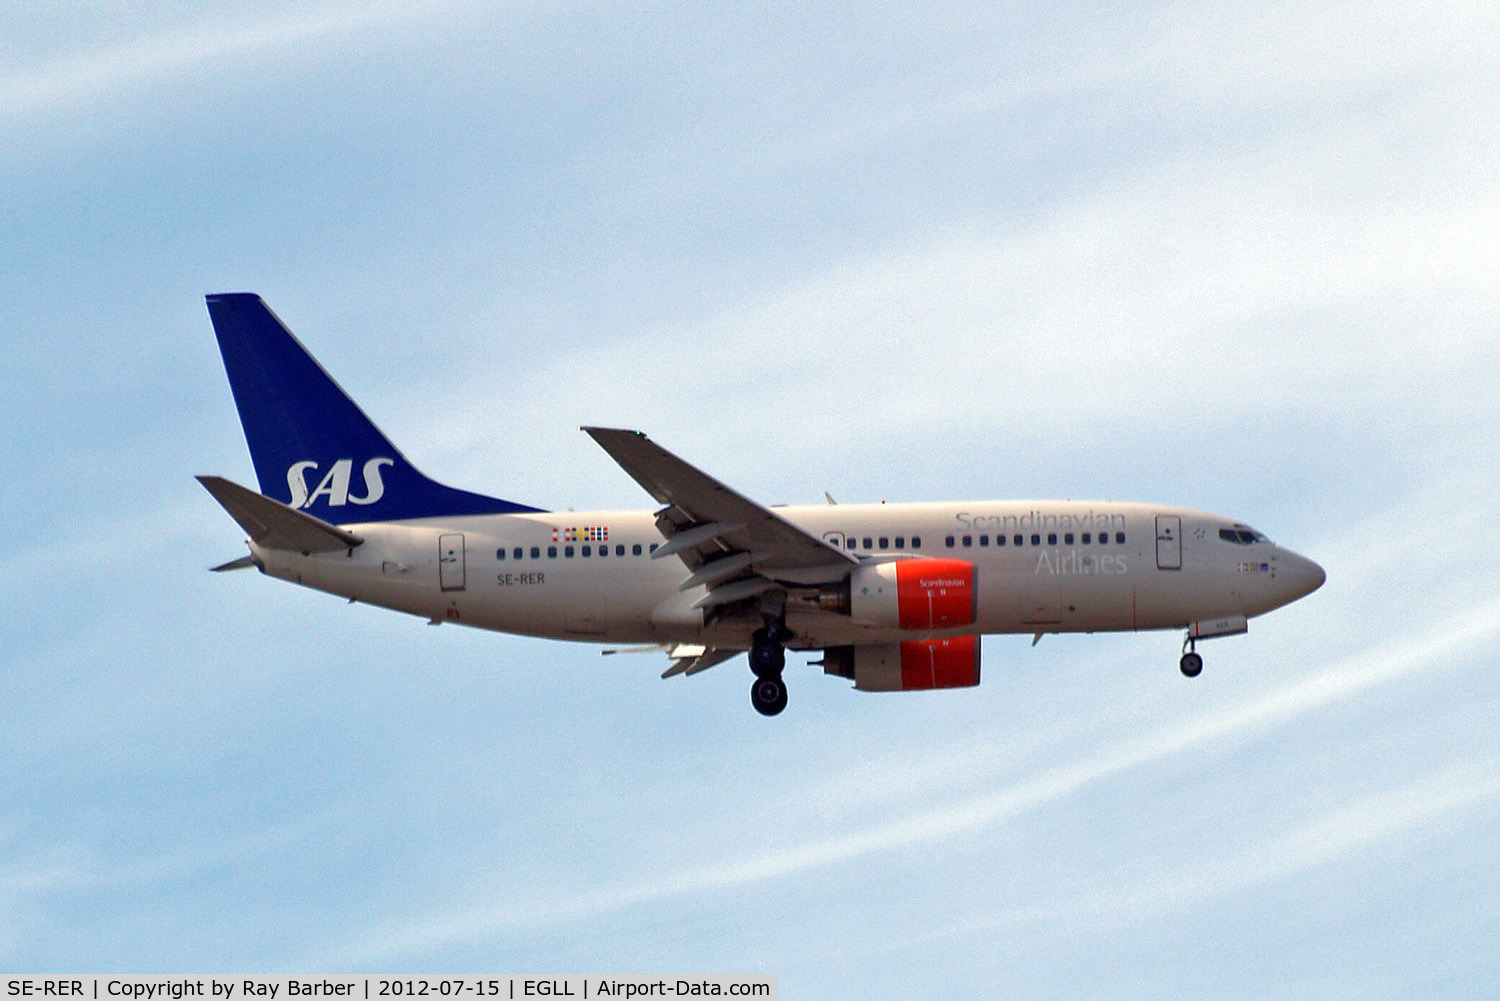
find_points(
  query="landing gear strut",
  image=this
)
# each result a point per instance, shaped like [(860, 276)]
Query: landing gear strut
[(767, 658), (1191, 663)]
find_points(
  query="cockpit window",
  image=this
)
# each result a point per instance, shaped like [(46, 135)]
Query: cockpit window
[(1242, 535)]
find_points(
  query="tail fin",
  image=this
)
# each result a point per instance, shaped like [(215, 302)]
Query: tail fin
[(313, 448)]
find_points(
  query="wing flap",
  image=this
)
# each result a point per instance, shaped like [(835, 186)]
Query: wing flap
[(690, 660)]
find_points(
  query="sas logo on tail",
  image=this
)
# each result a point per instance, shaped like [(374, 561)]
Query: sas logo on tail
[(335, 483)]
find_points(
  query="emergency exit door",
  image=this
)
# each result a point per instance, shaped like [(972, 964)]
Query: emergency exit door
[(1168, 542), (451, 562)]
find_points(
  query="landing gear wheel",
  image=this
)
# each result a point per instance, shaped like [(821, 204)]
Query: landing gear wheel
[(767, 655), (768, 696), (1192, 664)]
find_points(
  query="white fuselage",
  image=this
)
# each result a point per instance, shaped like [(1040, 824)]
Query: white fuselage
[(1040, 567)]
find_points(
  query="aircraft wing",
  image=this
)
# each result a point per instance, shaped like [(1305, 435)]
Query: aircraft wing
[(735, 547)]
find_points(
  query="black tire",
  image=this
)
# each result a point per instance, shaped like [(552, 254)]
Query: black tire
[(1192, 665), (768, 696), (767, 658)]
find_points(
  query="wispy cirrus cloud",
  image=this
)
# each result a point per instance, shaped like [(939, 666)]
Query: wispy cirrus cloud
[(1348, 829), (119, 72)]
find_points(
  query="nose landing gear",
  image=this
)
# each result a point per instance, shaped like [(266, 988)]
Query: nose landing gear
[(1191, 663)]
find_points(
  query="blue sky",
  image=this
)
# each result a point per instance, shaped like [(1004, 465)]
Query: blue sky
[(1240, 258)]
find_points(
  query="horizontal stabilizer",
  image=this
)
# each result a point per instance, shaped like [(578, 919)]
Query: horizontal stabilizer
[(274, 525), (243, 563)]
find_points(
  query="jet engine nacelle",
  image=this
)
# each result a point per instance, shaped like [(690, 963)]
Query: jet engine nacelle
[(917, 594), (907, 667)]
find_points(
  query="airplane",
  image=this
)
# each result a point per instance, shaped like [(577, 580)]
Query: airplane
[(893, 596)]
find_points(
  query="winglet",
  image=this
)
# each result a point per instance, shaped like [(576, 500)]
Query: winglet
[(274, 525)]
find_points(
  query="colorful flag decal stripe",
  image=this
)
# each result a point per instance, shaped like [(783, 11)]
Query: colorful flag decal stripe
[(584, 533)]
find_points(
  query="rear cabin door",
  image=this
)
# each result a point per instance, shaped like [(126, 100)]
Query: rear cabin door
[(1168, 542), (451, 562)]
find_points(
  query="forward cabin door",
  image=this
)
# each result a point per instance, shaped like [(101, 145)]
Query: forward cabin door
[(1168, 542), (451, 562)]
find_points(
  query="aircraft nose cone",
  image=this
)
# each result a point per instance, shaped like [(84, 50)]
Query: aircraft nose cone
[(1302, 575)]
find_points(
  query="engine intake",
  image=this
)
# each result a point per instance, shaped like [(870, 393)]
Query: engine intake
[(917, 665)]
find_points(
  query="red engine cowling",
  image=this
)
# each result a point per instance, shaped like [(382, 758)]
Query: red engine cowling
[(907, 667), (919, 594)]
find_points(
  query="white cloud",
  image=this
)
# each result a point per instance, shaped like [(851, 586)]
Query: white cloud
[(118, 72), (1198, 289), (1445, 646), (1239, 219)]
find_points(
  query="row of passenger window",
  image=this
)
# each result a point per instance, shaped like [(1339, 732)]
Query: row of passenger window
[(1068, 538), (568, 552), (967, 541), (885, 542), (869, 542)]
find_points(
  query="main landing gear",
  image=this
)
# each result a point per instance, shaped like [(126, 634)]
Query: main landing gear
[(767, 658), (1191, 663)]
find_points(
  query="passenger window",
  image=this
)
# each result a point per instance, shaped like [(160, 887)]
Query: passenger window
[(518, 553), (1087, 538), (619, 550), (551, 552), (999, 540), (1036, 540), (1051, 538), (869, 543), (1120, 538), (603, 550), (1019, 540), (654, 545), (568, 552), (968, 541), (984, 540), (948, 542), (916, 542), (900, 542), (1068, 539), (635, 550), (500, 553), (536, 552), (588, 550), (885, 542)]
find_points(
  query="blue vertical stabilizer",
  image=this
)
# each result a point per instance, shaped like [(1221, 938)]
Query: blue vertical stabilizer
[(312, 447)]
